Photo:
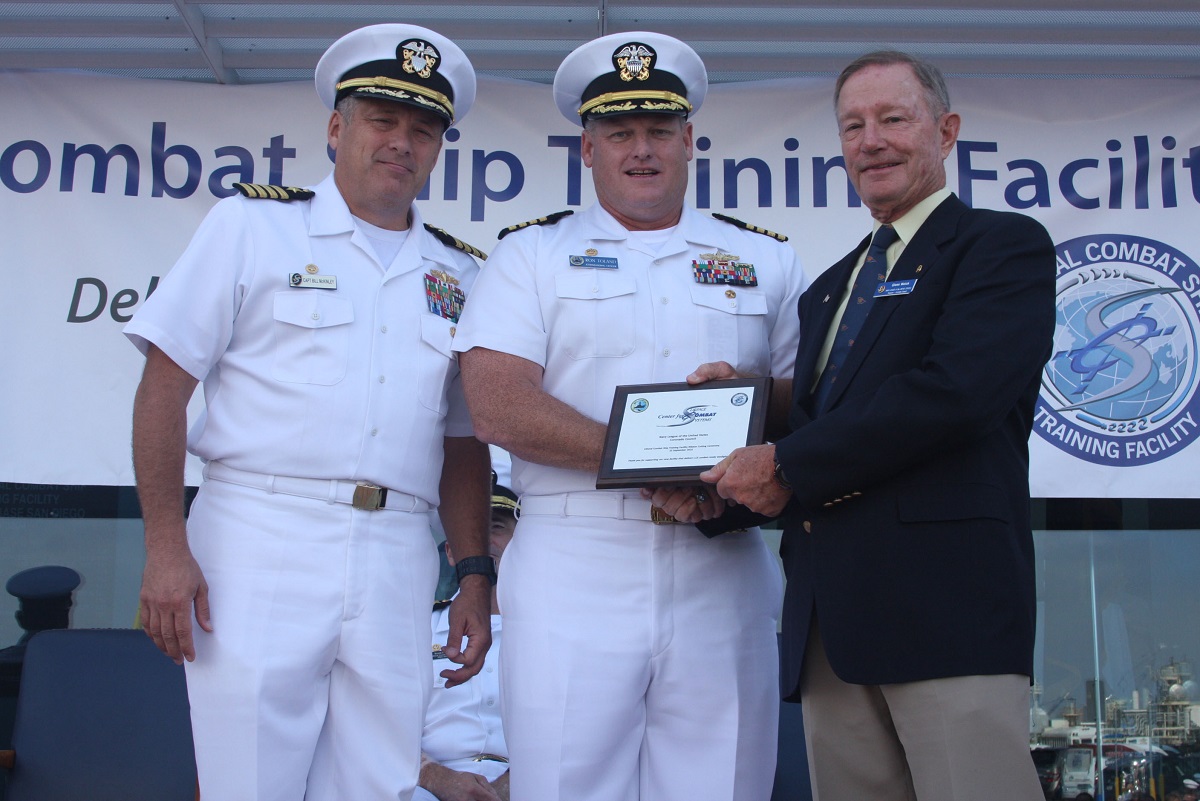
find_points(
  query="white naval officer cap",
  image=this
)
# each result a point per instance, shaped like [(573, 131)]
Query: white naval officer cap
[(400, 62), (630, 73)]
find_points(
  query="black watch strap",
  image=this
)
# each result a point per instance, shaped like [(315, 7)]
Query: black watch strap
[(472, 565)]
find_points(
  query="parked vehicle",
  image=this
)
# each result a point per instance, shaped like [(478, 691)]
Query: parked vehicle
[(1049, 764), (1079, 771)]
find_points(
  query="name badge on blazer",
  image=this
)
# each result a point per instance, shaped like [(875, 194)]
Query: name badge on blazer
[(890, 288)]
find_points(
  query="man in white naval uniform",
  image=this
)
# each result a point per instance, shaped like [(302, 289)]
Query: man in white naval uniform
[(640, 659), (321, 328), (464, 756)]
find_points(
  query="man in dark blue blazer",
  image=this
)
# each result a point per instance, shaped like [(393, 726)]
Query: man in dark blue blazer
[(910, 606)]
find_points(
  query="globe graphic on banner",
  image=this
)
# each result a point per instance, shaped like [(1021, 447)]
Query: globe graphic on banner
[(1120, 387), (1113, 380)]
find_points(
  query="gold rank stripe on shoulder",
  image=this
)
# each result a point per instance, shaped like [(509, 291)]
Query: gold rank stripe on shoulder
[(285, 194), (549, 219), (451, 241), (748, 227)]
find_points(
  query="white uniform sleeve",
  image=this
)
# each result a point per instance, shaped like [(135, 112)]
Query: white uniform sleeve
[(503, 312), (191, 313), (784, 337)]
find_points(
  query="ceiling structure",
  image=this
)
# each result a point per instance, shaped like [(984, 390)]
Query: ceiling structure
[(261, 41)]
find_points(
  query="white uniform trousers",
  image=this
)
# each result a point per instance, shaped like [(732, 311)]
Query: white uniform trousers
[(314, 682), (639, 662), (939, 740)]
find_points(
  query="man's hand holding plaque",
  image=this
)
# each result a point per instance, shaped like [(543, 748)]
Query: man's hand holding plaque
[(692, 504), (661, 437), (748, 477)]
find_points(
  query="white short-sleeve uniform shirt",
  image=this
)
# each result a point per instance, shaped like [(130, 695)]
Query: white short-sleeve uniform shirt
[(354, 382), (464, 722), (597, 308)]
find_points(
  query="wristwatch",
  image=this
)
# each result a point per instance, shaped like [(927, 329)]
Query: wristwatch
[(472, 565), (780, 478)]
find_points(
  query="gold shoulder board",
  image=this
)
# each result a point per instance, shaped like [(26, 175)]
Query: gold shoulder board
[(745, 226), (549, 219), (453, 242), (286, 194)]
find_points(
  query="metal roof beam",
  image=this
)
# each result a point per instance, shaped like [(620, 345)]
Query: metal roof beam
[(994, 6), (211, 51), (479, 27)]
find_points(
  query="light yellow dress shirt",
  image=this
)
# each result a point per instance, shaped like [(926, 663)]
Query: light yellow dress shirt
[(906, 228)]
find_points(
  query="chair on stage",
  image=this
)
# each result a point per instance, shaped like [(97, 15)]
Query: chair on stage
[(102, 715)]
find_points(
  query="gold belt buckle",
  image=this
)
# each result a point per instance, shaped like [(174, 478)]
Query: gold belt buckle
[(660, 518), (369, 497)]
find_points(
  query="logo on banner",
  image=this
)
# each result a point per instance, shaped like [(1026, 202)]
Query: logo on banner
[(1120, 388)]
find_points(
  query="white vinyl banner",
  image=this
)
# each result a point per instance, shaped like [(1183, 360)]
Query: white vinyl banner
[(103, 180)]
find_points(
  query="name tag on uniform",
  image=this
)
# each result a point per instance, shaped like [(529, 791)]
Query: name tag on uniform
[(889, 288), (302, 281), (594, 262)]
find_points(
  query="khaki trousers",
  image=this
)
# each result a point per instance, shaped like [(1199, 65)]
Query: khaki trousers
[(964, 738)]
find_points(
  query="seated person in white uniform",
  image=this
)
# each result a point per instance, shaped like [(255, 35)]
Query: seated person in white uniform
[(464, 756)]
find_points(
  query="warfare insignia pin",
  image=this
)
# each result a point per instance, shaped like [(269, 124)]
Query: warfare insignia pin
[(442, 275)]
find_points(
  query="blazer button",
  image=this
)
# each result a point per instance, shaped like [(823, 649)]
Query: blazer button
[(827, 504), (808, 527)]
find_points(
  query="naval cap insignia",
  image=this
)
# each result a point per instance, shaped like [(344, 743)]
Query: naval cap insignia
[(419, 57), (634, 61)]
